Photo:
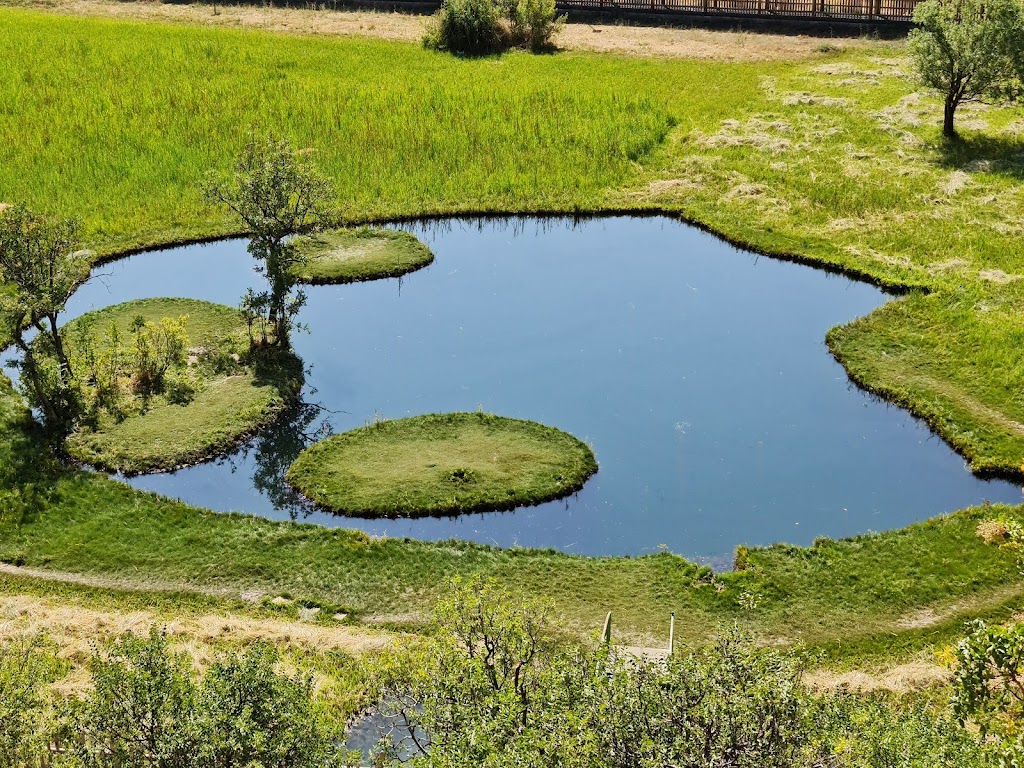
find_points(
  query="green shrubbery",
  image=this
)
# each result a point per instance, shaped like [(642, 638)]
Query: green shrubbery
[(147, 708), (477, 27), (493, 688)]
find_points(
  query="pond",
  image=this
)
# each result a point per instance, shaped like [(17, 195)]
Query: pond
[(697, 372)]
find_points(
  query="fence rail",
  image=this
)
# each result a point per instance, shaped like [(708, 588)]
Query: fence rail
[(872, 11)]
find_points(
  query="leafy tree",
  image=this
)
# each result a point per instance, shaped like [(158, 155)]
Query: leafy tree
[(137, 713), (251, 715), (493, 689), (277, 192), (147, 710), (731, 704), (41, 264), (988, 683), (968, 49)]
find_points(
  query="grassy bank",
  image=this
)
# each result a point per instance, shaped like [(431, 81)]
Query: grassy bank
[(442, 464), (836, 160), (231, 392), (355, 255)]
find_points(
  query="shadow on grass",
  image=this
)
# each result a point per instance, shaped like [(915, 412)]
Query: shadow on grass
[(998, 154)]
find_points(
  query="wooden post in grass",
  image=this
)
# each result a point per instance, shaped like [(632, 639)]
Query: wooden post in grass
[(672, 635), (606, 635)]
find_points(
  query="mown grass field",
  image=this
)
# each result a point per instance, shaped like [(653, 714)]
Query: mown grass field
[(835, 160)]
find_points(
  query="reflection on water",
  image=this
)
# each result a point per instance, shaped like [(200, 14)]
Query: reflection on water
[(697, 372)]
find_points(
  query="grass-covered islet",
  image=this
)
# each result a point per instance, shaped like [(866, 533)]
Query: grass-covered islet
[(442, 464)]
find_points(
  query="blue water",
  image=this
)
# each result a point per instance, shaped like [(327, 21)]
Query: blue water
[(697, 372)]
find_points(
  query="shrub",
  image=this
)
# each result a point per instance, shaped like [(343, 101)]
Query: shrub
[(471, 27), (24, 670), (477, 27), (535, 23)]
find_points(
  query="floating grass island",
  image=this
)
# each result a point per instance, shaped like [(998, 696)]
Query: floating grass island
[(442, 464), (219, 396), (355, 255)]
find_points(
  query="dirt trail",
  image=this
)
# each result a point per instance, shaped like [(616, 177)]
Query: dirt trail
[(662, 42)]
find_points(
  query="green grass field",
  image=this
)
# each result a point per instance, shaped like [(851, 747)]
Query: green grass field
[(835, 161), (354, 255), (442, 464)]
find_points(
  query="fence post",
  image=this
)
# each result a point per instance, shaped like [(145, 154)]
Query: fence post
[(672, 635), (606, 635)]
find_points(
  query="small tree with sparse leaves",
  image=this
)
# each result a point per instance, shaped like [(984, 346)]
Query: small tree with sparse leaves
[(968, 50), (42, 265), (277, 192)]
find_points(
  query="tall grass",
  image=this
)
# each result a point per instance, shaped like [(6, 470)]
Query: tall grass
[(119, 122)]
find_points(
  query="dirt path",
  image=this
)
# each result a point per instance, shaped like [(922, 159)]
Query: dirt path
[(662, 42)]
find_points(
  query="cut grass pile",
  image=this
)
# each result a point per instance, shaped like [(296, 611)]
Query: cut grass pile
[(231, 399), (354, 255), (442, 464)]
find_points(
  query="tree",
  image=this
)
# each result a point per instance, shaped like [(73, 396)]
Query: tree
[(967, 49), (277, 193), (988, 685), (251, 715), (137, 713), (492, 688), (41, 263)]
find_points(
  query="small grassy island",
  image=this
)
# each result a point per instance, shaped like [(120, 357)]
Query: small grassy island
[(212, 396), (442, 464), (355, 255)]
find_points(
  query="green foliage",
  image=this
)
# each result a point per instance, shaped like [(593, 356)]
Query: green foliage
[(146, 710), (471, 27), (854, 730), (40, 263), (157, 348), (535, 23), (732, 703), (968, 49), (136, 713), (248, 714), (479, 27), (491, 687), (26, 667), (277, 192), (988, 683)]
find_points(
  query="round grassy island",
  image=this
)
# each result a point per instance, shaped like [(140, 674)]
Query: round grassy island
[(218, 396), (355, 255), (441, 464)]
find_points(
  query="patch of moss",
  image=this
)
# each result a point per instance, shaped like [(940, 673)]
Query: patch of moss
[(442, 464), (355, 255)]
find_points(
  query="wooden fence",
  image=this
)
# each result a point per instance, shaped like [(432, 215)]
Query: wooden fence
[(866, 11)]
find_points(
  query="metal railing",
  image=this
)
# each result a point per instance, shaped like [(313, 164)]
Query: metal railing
[(872, 11)]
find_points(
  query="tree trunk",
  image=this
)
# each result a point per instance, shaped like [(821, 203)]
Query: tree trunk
[(947, 123), (66, 374)]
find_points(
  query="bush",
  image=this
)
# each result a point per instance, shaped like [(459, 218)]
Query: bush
[(535, 23), (470, 27)]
